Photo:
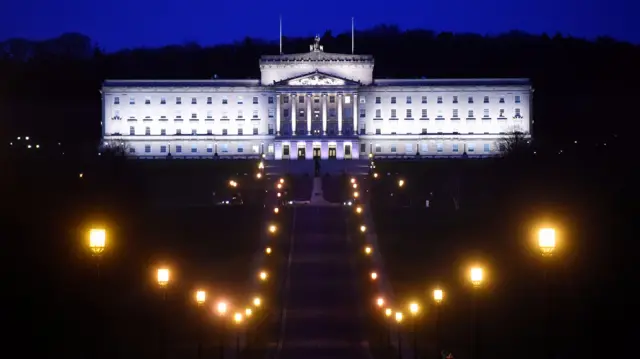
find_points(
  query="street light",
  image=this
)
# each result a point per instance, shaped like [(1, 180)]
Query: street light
[(363, 228), (438, 296), (414, 308), (257, 302), (267, 250), (355, 185), (201, 297), (367, 250), (282, 180), (248, 312), (398, 321), (97, 240), (356, 194), (353, 180), (276, 210), (237, 319), (263, 276), (258, 175), (358, 210), (374, 275), (375, 175), (273, 228), (380, 302), (163, 277), (547, 245), (477, 276), (279, 186), (400, 183), (387, 313), (221, 308), (547, 241), (279, 194)]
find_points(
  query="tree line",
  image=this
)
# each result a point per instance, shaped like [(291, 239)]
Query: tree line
[(583, 88)]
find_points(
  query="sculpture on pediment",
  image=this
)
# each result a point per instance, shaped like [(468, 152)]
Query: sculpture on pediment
[(317, 80), (316, 47)]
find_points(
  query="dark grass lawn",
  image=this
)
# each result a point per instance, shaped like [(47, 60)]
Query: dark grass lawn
[(424, 248), (60, 302)]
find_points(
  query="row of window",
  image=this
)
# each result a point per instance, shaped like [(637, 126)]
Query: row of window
[(163, 132), (255, 131), (223, 147), (485, 99), (301, 99), (225, 114), (409, 148), (332, 113), (455, 113), (194, 100), (424, 148)]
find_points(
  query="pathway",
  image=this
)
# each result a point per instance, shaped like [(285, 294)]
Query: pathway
[(320, 317)]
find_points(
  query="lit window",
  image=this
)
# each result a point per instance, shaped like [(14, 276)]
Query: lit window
[(347, 99)]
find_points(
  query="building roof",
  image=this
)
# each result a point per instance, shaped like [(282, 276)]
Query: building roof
[(315, 56), (182, 83), (452, 82)]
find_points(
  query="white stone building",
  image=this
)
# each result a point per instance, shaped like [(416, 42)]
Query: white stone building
[(314, 104)]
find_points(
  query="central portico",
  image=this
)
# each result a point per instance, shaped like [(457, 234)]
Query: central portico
[(316, 102)]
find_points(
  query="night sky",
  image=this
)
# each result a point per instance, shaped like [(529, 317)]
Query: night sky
[(115, 24)]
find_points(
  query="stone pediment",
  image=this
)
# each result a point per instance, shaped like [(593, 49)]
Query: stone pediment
[(316, 79)]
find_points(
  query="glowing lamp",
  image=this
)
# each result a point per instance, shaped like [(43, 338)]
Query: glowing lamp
[(97, 240), (547, 241), (163, 277)]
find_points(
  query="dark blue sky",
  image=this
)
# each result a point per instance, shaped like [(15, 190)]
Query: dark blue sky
[(115, 24)]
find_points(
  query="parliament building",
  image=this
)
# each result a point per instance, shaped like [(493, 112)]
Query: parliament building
[(314, 104)]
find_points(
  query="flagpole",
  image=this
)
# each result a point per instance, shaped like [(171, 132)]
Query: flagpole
[(280, 34), (353, 37)]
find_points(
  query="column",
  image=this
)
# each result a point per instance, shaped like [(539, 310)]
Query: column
[(355, 114), (324, 114), (340, 114), (309, 99), (294, 115), (278, 109)]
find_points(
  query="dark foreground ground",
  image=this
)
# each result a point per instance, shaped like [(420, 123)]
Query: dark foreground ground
[(499, 207), (156, 214)]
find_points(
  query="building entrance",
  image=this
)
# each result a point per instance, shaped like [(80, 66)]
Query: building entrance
[(316, 152), (301, 153), (332, 152), (285, 151)]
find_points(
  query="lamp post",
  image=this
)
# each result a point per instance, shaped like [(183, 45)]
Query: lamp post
[(200, 297), (476, 277), (237, 319), (387, 313), (547, 246), (162, 277), (414, 309), (398, 322), (438, 296), (97, 245), (221, 310)]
